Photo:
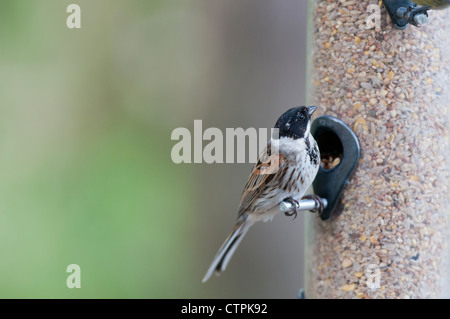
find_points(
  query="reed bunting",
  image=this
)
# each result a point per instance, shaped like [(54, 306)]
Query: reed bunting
[(281, 175)]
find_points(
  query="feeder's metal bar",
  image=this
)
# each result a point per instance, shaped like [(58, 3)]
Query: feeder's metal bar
[(303, 205)]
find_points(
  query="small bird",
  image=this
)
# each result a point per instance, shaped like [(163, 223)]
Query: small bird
[(279, 176), (434, 4)]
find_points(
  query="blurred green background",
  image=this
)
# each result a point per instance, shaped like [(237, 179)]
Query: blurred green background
[(85, 123)]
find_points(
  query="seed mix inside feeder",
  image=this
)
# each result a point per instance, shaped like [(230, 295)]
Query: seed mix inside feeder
[(390, 86)]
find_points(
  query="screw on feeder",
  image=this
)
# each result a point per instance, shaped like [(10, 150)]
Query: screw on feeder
[(414, 16), (420, 19), (404, 12)]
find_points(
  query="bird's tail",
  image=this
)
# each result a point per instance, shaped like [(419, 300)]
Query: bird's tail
[(227, 249)]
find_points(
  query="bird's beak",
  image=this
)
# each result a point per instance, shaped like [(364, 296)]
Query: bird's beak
[(311, 110)]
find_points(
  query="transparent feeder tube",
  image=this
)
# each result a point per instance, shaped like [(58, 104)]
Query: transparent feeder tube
[(390, 238)]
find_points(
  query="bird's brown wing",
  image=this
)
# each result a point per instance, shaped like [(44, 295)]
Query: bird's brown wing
[(262, 174)]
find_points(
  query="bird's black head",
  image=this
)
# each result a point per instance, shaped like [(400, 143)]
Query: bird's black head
[(295, 122)]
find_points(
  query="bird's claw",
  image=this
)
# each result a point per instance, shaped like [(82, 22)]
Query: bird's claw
[(319, 203), (294, 204), (415, 10), (412, 12)]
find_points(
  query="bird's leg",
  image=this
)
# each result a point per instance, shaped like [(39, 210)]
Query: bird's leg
[(412, 15), (319, 203), (294, 204), (416, 10)]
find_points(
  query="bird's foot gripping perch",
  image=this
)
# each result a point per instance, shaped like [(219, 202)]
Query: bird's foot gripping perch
[(404, 12), (313, 203), (416, 16), (289, 206), (319, 203)]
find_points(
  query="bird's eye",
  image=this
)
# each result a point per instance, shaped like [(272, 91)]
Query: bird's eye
[(301, 117)]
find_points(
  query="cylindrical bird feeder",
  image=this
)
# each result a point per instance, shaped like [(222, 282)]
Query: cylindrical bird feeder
[(389, 236)]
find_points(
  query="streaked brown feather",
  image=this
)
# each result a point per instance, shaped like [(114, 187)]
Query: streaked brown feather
[(263, 172)]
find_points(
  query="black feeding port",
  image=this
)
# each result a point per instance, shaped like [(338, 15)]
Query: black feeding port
[(339, 154)]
